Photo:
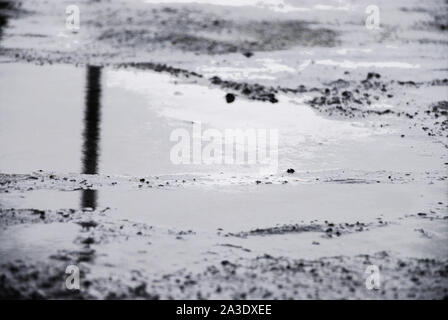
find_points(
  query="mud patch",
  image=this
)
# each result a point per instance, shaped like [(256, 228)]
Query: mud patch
[(329, 229), (264, 277), (199, 31)]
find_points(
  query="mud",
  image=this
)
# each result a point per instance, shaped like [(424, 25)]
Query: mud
[(328, 229), (264, 277)]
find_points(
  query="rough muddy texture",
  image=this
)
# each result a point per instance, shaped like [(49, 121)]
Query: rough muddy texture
[(199, 32), (264, 277), (87, 181)]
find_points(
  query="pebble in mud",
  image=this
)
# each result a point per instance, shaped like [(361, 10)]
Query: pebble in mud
[(230, 97)]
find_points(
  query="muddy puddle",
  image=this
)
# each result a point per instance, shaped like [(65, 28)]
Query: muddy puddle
[(112, 121), (239, 208)]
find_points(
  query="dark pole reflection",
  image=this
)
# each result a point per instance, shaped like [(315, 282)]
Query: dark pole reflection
[(5, 6), (91, 134)]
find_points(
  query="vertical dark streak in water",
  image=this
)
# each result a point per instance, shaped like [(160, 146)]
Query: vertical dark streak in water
[(5, 6), (91, 134)]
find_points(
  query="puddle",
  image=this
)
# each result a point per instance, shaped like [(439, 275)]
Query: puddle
[(35, 241), (402, 239), (243, 208), (236, 209), (119, 122)]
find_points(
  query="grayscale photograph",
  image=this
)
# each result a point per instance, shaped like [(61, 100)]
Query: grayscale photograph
[(223, 150)]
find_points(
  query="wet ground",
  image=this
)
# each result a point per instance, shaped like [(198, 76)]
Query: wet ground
[(86, 177)]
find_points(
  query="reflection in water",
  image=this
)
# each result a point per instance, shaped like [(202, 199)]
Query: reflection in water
[(4, 7), (91, 134)]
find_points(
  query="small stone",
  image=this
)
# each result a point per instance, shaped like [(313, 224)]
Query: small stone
[(421, 214), (88, 240), (225, 262), (290, 170), (230, 97)]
